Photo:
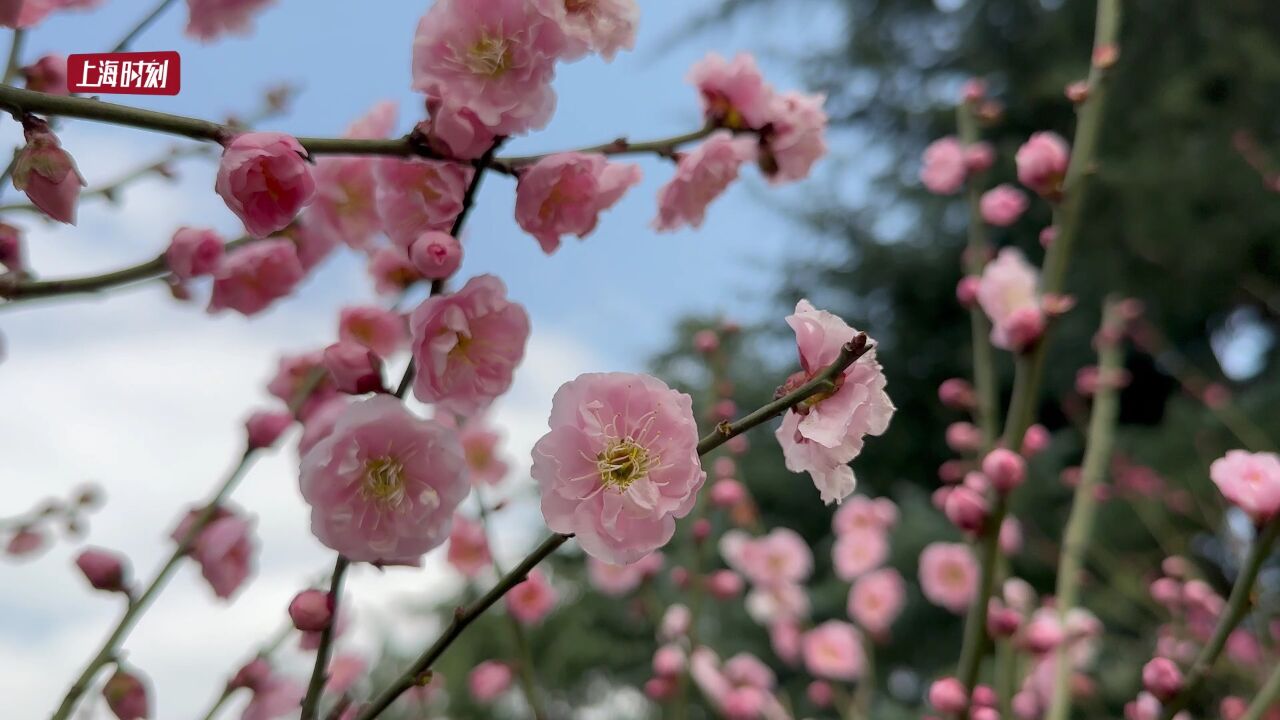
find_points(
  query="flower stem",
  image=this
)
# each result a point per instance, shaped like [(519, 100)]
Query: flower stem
[(1237, 606), (320, 673), (1102, 424), (14, 63), (1266, 698), (464, 616), (1030, 368), (110, 647), (140, 27)]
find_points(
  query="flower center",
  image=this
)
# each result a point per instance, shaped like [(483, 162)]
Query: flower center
[(622, 463), (489, 56), (383, 482)]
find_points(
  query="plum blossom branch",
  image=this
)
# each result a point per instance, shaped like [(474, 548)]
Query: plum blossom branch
[(17, 291), (418, 671), (1237, 606), (110, 190), (1102, 423), (1030, 368), (15, 55), (110, 647), (311, 702)]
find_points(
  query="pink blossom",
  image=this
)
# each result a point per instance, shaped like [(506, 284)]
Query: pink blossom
[(1008, 292), (979, 157), (701, 176), (675, 622), (532, 600), (949, 575), (193, 252), (833, 651), (382, 331), (1250, 481), (467, 345), (826, 432), (948, 695), (311, 610), (480, 447), (455, 131), (436, 255), (724, 584), (1162, 678), (210, 19), (275, 697), (963, 437), (494, 58), (320, 419), (126, 696), (11, 254), (391, 270), (967, 509), (876, 599), (564, 194), (1042, 163), (47, 75), (1035, 440), (105, 570), (943, 170), (26, 541), (1002, 205), (383, 485), (47, 173), (265, 179), (781, 557), (669, 661), (344, 671), (777, 603), (1010, 536), (745, 669), (734, 93), (313, 242), (468, 547), (354, 368), (857, 553), (346, 188), (785, 639), (820, 693), (223, 548), (861, 513), (415, 196), (797, 136), (620, 580), (488, 680), (619, 464), (600, 26), (253, 276), (727, 493), (300, 374), (1005, 468)]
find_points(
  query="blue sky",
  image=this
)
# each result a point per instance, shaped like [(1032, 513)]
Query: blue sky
[(145, 395)]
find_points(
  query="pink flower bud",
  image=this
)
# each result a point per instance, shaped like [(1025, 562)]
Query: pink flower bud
[(253, 675), (979, 157), (1002, 205), (436, 255), (265, 180), (354, 368), (680, 577), (668, 661), (939, 498), (984, 713), (1233, 708), (984, 696), (966, 509), (1162, 678), (676, 620), (724, 584), (1047, 236), (725, 410), (659, 689), (26, 541), (963, 437), (701, 529), (706, 341), (194, 252), (1078, 91), (1024, 327), (1026, 705), (727, 492), (104, 570), (1042, 634), (967, 290), (11, 256), (1005, 468), (738, 444), (1035, 440), (1002, 621), (488, 680), (264, 427), (311, 610), (957, 394), (1175, 566), (1010, 538), (1166, 591), (947, 695), (952, 471), (725, 467), (48, 174), (1042, 163), (974, 90), (126, 696), (47, 75), (820, 693)]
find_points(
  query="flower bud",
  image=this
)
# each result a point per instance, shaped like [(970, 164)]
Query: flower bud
[(820, 693), (104, 570), (957, 394), (1162, 678), (1005, 468), (126, 696), (47, 75), (966, 509), (706, 341), (701, 530), (1035, 440), (11, 248), (967, 290), (1002, 621), (253, 675), (948, 695), (436, 255), (724, 584), (984, 696), (264, 427), (668, 661), (963, 437), (727, 492), (48, 174), (311, 610)]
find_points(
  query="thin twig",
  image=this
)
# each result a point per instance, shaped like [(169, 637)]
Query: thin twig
[(320, 673), (110, 190), (141, 27)]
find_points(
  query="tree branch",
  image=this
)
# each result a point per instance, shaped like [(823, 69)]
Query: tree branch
[(320, 673)]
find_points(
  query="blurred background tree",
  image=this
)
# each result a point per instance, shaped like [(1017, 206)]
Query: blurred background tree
[(1182, 214)]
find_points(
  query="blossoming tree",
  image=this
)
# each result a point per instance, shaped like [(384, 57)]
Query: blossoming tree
[(625, 470)]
